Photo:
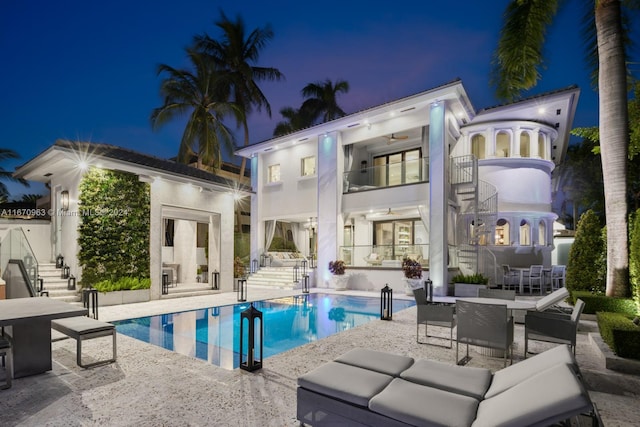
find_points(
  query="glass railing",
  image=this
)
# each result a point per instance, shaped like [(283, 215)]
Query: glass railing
[(383, 255), (14, 245), (390, 175)]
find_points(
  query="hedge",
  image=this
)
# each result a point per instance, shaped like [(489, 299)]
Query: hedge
[(620, 333)]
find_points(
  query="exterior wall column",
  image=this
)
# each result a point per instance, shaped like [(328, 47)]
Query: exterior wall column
[(438, 203), (330, 166), (256, 237), (535, 145)]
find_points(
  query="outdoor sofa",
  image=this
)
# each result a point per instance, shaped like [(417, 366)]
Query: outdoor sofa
[(372, 388)]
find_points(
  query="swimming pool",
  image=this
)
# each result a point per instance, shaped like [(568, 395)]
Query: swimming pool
[(212, 334)]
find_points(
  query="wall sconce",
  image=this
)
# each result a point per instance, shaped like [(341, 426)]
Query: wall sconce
[(64, 200)]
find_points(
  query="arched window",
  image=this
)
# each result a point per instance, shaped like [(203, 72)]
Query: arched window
[(525, 233), (503, 144), (525, 144), (478, 148), (502, 233), (542, 152), (542, 234)]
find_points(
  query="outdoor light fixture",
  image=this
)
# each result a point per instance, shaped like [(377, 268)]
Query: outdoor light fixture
[(215, 276), (64, 200), (386, 303), (59, 261), (242, 290), (66, 271), (71, 283), (252, 360)]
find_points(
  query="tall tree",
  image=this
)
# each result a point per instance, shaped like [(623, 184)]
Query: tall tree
[(7, 154), (237, 53), (295, 119), (200, 94), (322, 99), (516, 67)]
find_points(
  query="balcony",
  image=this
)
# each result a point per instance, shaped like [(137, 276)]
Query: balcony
[(388, 175)]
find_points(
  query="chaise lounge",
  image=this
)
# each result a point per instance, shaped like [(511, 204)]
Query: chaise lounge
[(372, 388)]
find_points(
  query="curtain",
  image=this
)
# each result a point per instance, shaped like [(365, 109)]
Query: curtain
[(269, 231), (424, 216), (300, 238)]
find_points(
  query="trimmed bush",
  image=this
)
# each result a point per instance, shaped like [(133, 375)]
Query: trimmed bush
[(472, 279), (620, 333), (123, 284), (584, 269), (594, 303), (634, 257)]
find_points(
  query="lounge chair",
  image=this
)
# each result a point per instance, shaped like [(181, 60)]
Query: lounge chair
[(371, 388), (553, 327)]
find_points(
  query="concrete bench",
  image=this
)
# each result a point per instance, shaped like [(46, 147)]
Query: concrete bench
[(84, 328)]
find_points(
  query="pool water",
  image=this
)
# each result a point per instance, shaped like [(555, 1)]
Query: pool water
[(213, 334)]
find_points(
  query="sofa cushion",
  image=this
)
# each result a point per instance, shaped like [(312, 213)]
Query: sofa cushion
[(515, 374), (543, 399), (345, 382), (385, 363), (419, 405), (470, 381)]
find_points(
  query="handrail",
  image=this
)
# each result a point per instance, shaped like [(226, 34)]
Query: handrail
[(15, 245), (25, 276)]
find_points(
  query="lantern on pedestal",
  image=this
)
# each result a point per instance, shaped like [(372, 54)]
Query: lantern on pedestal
[(386, 303), (251, 352), (66, 271), (242, 290)]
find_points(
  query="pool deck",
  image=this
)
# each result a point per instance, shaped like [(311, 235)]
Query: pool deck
[(150, 386)]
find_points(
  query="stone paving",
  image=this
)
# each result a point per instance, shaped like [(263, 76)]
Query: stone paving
[(150, 386)]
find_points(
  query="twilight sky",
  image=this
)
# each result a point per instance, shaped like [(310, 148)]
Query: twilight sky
[(86, 70)]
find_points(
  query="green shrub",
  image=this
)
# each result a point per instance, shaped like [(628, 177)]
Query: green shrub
[(477, 279), (594, 303), (584, 268), (620, 334), (634, 257), (113, 234), (123, 284)]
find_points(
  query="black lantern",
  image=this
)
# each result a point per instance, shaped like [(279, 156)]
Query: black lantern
[(40, 284), (305, 284), (165, 283), (66, 271), (428, 290), (215, 276), (71, 283), (254, 265), (252, 360), (386, 303), (242, 290), (59, 261), (90, 302)]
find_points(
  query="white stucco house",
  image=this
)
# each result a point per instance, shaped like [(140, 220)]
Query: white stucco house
[(427, 176), (190, 208)]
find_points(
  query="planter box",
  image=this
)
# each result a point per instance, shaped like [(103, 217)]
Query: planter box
[(338, 282), (467, 289), (123, 297)]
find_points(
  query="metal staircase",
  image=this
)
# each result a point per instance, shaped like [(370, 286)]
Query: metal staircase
[(478, 206)]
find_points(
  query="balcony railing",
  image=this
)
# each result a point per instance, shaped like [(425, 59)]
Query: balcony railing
[(383, 255), (389, 175)]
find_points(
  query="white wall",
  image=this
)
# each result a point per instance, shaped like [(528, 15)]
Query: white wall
[(38, 233)]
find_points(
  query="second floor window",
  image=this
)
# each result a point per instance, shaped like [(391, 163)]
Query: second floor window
[(273, 173), (404, 167), (308, 166)]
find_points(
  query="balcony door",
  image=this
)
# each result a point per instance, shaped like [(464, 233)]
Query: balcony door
[(397, 168)]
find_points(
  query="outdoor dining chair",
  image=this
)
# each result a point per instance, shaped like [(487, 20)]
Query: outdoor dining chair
[(484, 325), (7, 359), (434, 314), (552, 327), (558, 276), (510, 278), (536, 278)]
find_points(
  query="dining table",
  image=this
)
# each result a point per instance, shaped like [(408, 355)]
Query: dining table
[(28, 322)]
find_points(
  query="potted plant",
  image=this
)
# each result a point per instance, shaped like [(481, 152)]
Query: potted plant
[(413, 275), (467, 285), (339, 281)]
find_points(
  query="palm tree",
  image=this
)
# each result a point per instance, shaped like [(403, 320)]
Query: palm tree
[(295, 119), (322, 99), (6, 154), (516, 68), (237, 54), (201, 95)]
